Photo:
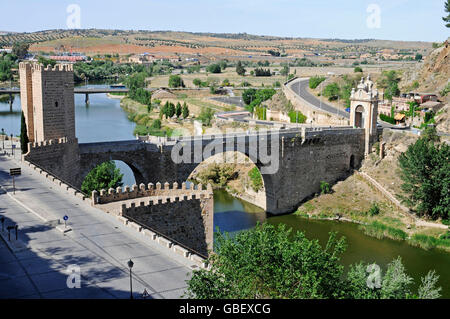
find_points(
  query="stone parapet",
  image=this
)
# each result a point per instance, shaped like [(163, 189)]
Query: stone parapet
[(164, 193)]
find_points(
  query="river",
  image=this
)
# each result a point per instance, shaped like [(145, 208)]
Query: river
[(104, 120)]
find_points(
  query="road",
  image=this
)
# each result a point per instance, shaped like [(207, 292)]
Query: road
[(98, 243), (300, 87)]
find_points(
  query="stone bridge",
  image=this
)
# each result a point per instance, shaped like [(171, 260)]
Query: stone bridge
[(292, 162)]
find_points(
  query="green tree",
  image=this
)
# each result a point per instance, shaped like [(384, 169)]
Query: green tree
[(46, 61), (197, 82), (20, 49), (206, 116), (240, 70), (164, 110), (248, 96), (425, 171), (171, 110), (213, 68), (272, 262), (389, 82), (418, 57), (394, 284), (315, 81), (23, 135), (285, 70), (223, 65), (447, 18), (103, 176), (331, 91), (358, 69), (156, 124), (175, 81), (178, 110), (185, 111)]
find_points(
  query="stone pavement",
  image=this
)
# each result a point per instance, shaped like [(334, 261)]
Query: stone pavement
[(98, 243)]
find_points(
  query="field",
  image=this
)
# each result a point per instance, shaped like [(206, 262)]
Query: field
[(208, 45)]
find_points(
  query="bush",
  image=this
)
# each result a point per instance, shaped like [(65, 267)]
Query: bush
[(374, 210), (213, 68), (255, 179), (297, 117), (387, 119), (315, 81), (358, 69), (175, 81), (325, 188)]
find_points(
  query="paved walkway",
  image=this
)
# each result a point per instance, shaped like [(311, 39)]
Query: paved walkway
[(98, 243)]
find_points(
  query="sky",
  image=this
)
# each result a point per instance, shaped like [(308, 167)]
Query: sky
[(409, 20)]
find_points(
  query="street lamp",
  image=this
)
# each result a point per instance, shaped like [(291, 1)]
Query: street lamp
[(130, 265)]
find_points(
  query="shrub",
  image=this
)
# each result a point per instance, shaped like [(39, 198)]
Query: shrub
[(325, 188), (256, 179), (315, 81), (175, 81), (374, 210), (213, 68), (387, 119), (297, 117)]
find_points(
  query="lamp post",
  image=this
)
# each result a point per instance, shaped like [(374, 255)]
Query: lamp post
[(3, 135), (130, 265)]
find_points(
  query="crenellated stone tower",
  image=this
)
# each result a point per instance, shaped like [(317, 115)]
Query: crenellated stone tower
[(364, 110), (47, 101), (49, 109)]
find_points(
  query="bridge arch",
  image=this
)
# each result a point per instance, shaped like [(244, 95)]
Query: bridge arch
[(237, 157), (138, 172)]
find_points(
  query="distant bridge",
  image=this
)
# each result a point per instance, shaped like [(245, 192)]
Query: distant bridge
[(75, 90), (85, 91)]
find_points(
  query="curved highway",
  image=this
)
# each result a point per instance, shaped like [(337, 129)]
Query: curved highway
[(300, 87)]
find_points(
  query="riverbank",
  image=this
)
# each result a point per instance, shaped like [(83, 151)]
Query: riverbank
[(356, 201)]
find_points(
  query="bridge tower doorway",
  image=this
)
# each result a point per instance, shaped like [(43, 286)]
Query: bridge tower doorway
[(359, 116)]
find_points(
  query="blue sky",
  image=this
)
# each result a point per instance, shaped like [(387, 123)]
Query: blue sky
[(347, 19)]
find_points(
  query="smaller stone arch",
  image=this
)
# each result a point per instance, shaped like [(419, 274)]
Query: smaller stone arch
[(137, 172)]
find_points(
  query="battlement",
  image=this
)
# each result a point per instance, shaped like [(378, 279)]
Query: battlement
[(156, 193), (39, 67), (56, 141)]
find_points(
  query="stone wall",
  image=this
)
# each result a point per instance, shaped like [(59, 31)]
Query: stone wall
[(58, 156), (182, 215), (188, 221)]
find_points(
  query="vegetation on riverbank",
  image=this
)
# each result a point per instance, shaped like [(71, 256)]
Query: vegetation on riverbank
[(273, 262), (354, 200)]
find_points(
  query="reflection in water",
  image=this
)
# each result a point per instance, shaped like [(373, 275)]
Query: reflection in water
[(232, 215), (360, 247)]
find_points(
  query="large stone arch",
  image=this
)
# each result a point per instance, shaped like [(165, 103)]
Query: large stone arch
[(267, 178)]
